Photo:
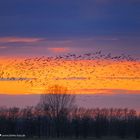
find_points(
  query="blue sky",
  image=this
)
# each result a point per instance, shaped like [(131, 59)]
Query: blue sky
[(80, 25)]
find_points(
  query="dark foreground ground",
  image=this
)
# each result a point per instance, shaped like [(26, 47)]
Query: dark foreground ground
[(103, 138)]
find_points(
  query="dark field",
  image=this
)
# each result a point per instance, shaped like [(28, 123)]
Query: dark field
[(103, 138)]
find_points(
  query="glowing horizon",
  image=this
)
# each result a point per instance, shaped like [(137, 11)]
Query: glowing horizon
[(80, 76)]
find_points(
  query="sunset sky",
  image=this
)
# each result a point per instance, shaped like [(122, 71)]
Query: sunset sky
[(88, 46), (46, 27)]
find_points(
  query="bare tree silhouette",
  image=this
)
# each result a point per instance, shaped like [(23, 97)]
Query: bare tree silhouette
[(58, 103), (57, 100)]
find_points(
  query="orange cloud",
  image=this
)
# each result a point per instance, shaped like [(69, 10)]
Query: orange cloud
[(19, 40), (107, 91), (59, 50)]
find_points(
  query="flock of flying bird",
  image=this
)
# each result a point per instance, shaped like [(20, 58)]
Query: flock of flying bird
[(81, 70)]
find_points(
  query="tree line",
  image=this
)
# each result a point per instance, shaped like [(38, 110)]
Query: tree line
[(79, 122)]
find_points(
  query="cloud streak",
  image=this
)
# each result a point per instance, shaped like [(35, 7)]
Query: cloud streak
[(108, 91), (72, 78), (59, 50), (16, 79), (120, 78), (20, 40), (3, 47)]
